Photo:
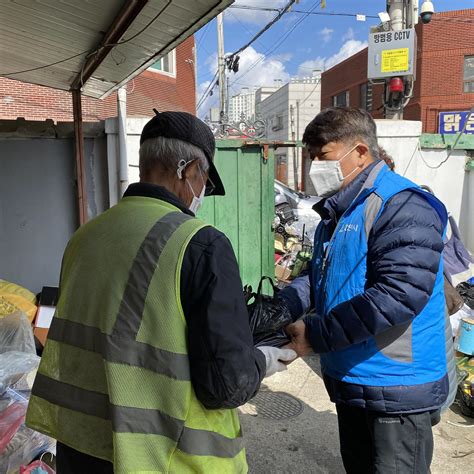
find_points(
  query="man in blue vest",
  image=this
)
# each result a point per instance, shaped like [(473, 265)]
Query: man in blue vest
[(376, 286)]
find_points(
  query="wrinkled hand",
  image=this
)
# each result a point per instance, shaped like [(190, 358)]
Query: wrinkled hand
[(275, 359), (299, 342)]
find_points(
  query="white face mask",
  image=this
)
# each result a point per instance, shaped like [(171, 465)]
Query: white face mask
[(327, 177), (197, 201)]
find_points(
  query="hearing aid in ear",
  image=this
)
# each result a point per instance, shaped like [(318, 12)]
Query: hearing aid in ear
[(181, 165)]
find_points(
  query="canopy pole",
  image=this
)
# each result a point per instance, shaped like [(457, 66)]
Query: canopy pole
[(79, 155)]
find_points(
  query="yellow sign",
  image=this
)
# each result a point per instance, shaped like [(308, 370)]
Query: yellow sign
[(395, 60)]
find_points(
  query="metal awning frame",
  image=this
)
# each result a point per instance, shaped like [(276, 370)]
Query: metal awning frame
[(118, 28)]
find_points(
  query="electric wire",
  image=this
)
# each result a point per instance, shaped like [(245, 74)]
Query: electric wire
[(471, 114), (231, 56), (269, 9), (91, 51), (279, 43), (281, 12), (312, 91), (208, 90)]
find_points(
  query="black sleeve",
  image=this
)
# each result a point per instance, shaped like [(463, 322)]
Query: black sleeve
[(226, 369), (404, 254)]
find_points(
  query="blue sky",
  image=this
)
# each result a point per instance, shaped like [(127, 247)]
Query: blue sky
[(317, 42)]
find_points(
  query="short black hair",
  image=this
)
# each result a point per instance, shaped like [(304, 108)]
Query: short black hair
[(341, 124)]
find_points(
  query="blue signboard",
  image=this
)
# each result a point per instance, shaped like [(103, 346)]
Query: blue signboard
[(453, 122)]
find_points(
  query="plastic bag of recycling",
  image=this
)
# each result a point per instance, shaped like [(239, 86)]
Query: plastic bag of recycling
[(19, 444), (11, 418), (268, 317), (466, 290), (16, 334), (17, 370), (25, 446)]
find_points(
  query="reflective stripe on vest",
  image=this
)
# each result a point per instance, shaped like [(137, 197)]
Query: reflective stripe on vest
[(138, 386), (136, 420)]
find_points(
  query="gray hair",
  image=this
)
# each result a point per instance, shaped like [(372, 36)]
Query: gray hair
[(167, 153), (341, 124)]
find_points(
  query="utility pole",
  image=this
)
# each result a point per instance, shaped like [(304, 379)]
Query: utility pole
[(297, 148), (227, 98), (403, 15), (221, 64), (293, 138), (397, 14)]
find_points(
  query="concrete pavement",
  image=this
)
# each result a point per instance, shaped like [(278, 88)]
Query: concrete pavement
[(308, 442)]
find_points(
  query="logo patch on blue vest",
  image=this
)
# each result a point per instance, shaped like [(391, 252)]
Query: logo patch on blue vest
[(349, 228)]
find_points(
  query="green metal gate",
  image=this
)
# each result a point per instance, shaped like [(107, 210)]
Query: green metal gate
[(246, 212)]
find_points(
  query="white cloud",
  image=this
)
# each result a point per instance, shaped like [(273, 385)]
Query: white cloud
[(348, 35), (262, 70), (348, 49), (253, 16), (326, 34), (255, 70)]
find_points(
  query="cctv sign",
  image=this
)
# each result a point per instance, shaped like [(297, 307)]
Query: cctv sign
[(392, 53)]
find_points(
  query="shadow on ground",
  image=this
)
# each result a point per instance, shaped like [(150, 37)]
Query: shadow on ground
[(304, 443)]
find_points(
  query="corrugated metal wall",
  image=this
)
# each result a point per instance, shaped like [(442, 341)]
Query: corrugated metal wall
[(38, 202)]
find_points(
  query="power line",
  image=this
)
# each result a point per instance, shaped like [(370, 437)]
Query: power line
[(265, 28), (45, 65), (234, 56), (92, 51), (204, 32), (452, 148), (208, 90), (280, 42), (244, 26), (268, 9), (311, 93)]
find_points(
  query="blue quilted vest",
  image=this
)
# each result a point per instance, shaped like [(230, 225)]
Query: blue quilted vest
[(402, 356)]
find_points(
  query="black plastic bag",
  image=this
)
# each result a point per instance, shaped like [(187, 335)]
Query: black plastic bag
[(268, 316), (466, 290)]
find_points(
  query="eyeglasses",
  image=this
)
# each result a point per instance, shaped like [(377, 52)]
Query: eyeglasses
[(210, 187)]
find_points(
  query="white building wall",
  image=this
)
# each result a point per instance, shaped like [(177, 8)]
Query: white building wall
[(243, 103), (283, 103), (450, 182)]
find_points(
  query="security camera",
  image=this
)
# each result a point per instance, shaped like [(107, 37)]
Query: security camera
[(427, 10)]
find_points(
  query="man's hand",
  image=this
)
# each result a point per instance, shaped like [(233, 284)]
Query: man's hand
[(299, 342), (276, 359)]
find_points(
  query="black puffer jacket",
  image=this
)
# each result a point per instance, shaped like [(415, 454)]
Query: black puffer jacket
[(404, 253)]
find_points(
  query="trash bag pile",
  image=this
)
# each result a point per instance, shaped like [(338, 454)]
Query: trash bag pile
[(20, 447), (466, 291), (268, 317)]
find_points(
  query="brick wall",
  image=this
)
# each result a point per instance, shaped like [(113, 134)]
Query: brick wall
[(442, 45), (446, 40), (148, 90), (349, 75)]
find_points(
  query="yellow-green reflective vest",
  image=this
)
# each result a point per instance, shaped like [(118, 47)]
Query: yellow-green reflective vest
[(114, 379)]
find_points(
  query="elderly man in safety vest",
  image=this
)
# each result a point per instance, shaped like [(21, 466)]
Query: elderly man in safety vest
[(150, 350), (376, 288)]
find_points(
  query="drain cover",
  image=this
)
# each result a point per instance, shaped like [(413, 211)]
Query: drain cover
[(276, 405)]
